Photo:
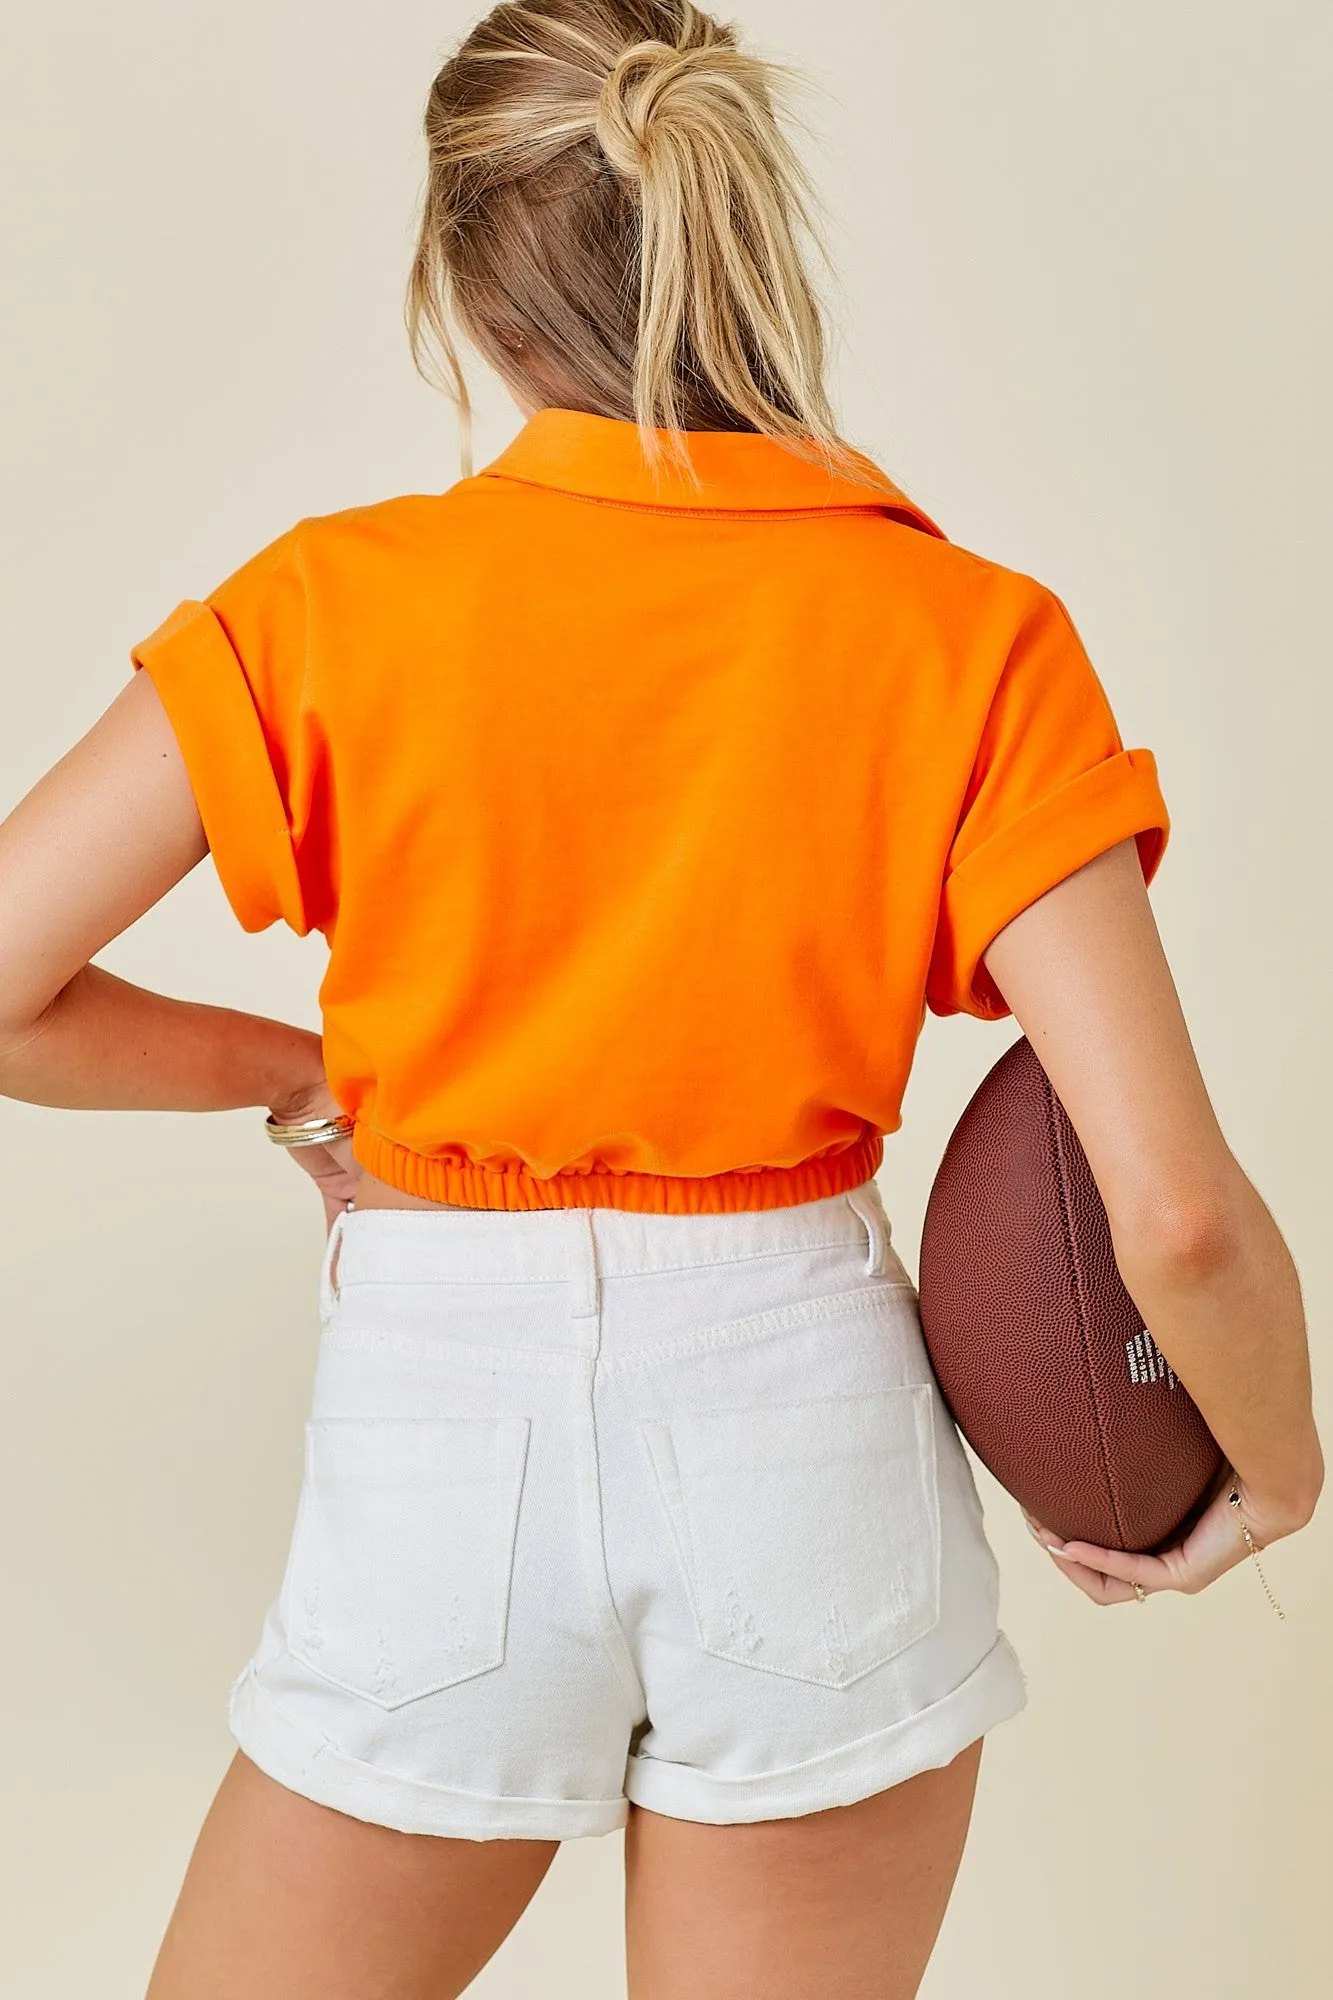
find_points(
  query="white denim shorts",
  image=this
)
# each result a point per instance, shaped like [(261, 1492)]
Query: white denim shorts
[(602, 1507)]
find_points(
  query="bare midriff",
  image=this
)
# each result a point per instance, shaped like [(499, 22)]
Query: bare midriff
[(371, 1192)]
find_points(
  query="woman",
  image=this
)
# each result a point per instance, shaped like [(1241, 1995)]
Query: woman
[(647, 787)]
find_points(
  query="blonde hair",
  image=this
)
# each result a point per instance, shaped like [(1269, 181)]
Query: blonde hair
[(614, 218)]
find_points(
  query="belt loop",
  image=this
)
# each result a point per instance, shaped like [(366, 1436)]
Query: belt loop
[(328, 1289), (866, 1202), (583, 1287)]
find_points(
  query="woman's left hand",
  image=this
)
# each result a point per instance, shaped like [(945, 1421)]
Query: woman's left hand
[(335, 1173), (1215, 1544)]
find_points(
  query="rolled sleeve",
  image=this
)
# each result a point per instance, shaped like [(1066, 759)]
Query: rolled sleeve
[(1117, 800), (1052, 787), (209, 705)]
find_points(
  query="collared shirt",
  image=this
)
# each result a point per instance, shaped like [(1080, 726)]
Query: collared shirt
[(644, 816)]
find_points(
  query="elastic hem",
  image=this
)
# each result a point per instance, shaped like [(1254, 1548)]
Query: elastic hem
[(468, 1185), (992, 1693), (304, 1761)]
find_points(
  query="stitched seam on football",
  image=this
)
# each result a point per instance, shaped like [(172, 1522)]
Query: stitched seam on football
[(1062, 1184)]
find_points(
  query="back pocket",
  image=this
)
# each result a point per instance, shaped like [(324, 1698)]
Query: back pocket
[(399, 1576), (808, 1533)]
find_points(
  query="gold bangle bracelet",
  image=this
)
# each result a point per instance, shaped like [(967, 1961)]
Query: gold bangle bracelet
[(308, 1131)]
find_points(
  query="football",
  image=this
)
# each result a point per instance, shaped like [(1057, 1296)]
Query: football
[(1039, 1350)]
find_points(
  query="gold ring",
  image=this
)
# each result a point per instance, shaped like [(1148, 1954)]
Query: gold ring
[(1140, 1593)]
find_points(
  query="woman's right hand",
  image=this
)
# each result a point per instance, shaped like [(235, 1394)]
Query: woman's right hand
[(1215, 1544)]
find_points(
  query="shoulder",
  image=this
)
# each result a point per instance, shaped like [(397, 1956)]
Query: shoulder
[(962, 613), (399, 522), (351, 546), (962, 584)]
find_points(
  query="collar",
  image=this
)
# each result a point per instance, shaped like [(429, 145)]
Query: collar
[(600, 458)]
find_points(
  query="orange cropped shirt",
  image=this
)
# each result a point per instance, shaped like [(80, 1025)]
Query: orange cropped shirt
[(643, 820)]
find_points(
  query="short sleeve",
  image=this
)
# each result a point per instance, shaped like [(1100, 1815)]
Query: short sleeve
[(1052, 786), (230, 671)]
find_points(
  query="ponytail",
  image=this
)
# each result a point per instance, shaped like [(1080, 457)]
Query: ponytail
[(615, 218)]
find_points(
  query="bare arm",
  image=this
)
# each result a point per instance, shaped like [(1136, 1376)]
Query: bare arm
[(95, 843), (1085, 974)]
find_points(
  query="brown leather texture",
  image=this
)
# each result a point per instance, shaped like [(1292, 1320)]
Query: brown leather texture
[(1038, 1348)]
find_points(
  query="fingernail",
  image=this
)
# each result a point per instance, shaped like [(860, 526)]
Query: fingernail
[(1054, 1549)]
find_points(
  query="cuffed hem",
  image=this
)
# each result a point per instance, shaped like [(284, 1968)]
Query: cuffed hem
[(211, 711), (468, 1185), (303, 1760), (1117, 798), (992, 1693)]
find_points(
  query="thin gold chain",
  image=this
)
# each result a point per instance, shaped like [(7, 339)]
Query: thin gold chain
[(1249, 1543)]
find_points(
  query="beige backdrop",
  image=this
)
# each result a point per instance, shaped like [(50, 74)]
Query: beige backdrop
[(1085, 313)]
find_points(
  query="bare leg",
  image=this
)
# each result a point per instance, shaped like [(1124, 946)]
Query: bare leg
[(285, 1900), (843, 1904)]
